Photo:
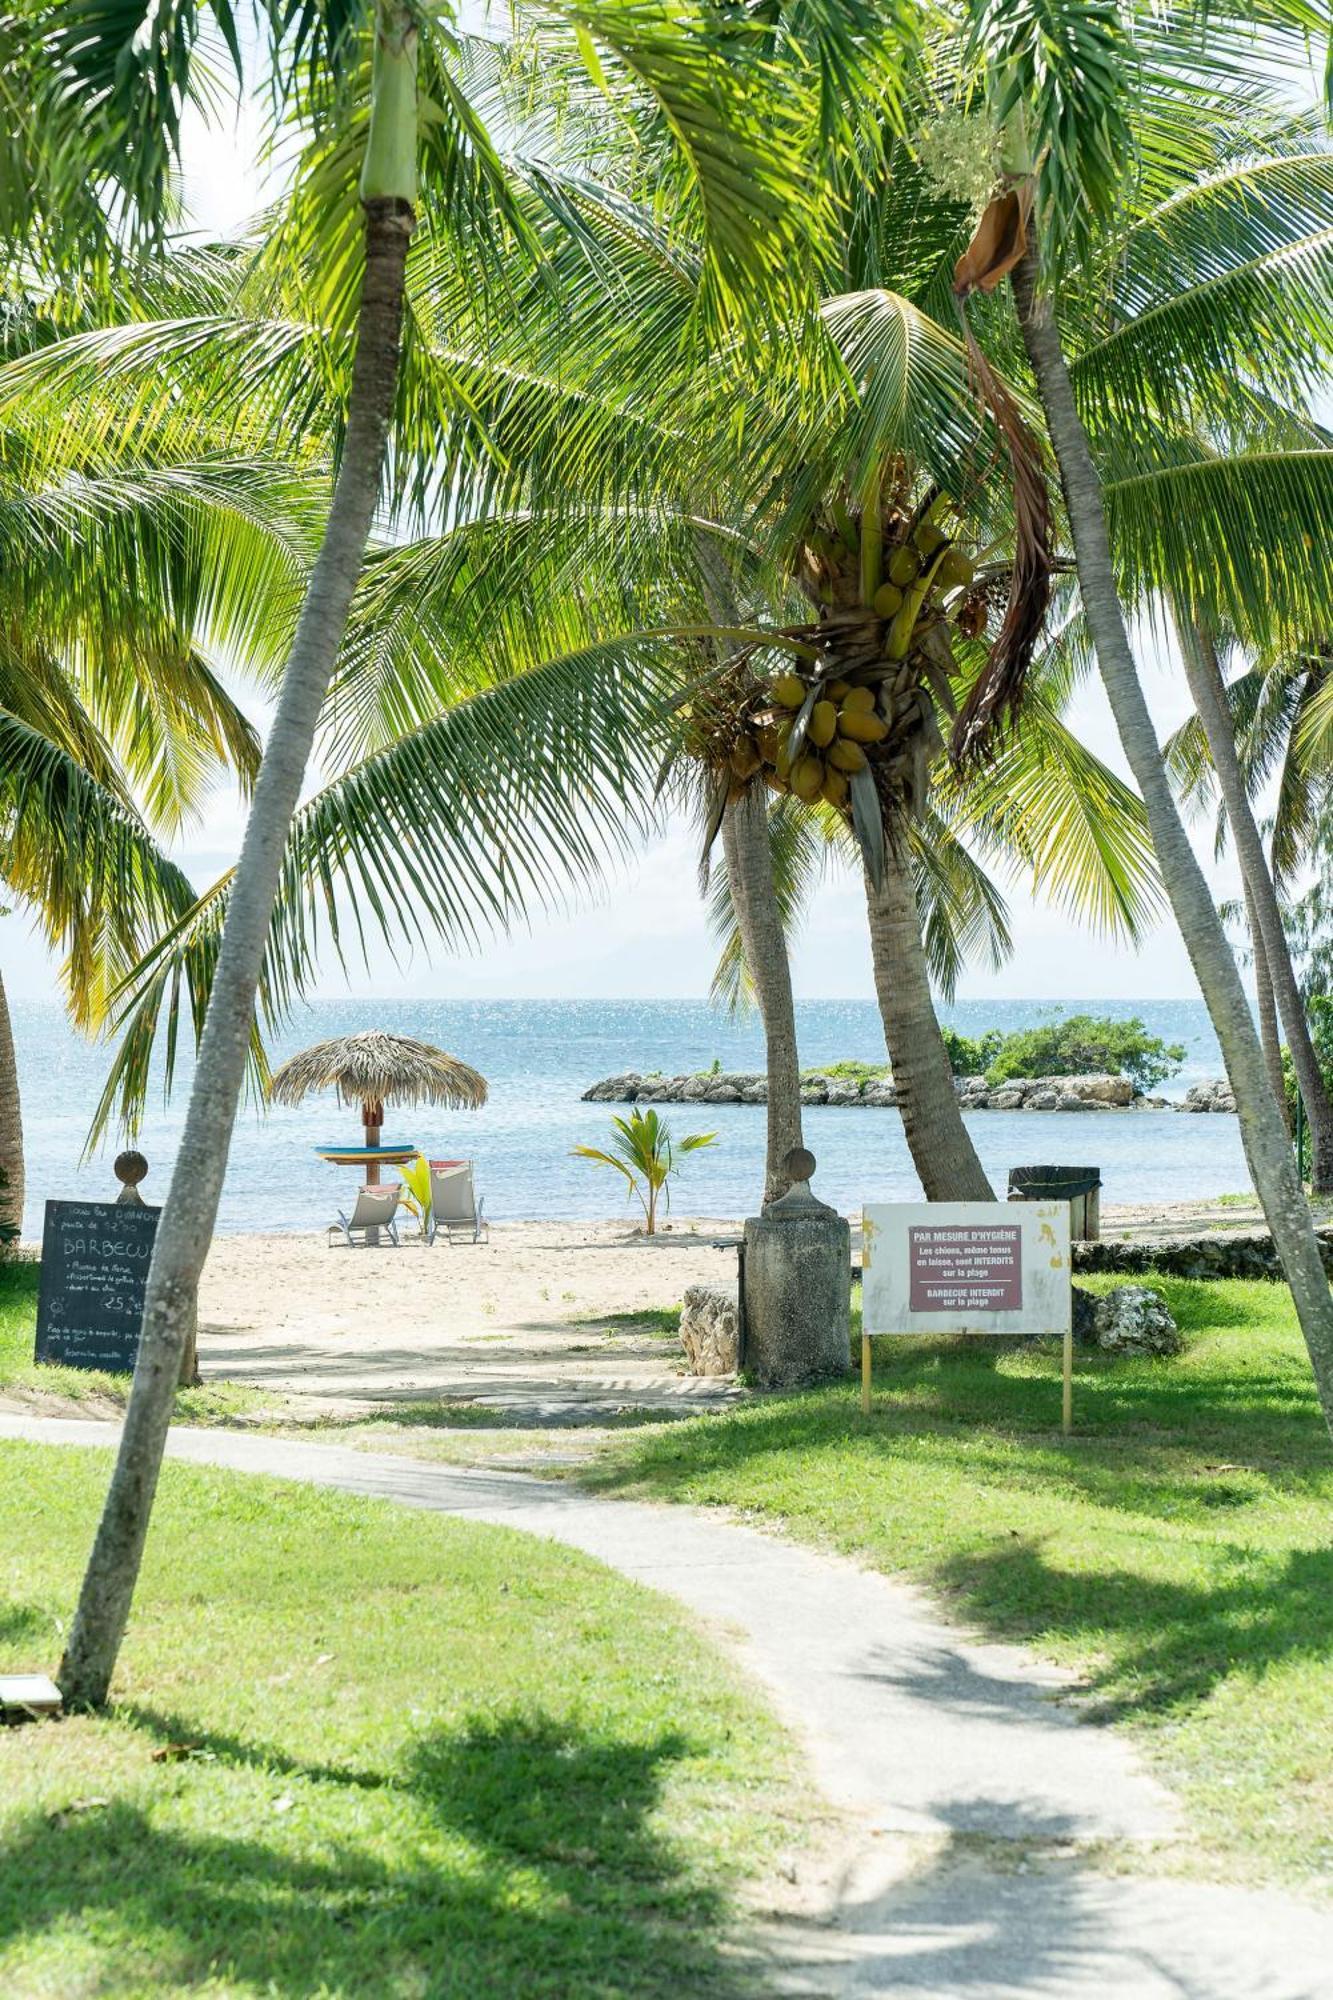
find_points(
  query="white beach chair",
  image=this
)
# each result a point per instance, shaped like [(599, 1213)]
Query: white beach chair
[(454, 1207), (375, 1209)]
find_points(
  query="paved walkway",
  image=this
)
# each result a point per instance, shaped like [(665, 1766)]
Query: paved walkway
[(979, 1793)]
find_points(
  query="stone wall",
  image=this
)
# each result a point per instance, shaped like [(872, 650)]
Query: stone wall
[(1213, 1256)]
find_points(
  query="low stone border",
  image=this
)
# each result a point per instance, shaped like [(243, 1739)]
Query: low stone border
[(1249, 1256)]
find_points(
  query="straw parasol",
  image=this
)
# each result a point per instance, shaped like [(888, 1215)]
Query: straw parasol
[(375, 1069)]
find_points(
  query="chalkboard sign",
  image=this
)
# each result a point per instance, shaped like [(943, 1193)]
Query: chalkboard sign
[(94, 1269)]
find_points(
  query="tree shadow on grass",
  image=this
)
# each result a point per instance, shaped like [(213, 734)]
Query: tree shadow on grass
[(1144, 1435), (525, 1860), (1163, 1644)]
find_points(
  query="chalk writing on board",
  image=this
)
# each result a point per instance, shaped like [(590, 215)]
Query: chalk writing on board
[(95, 1257)]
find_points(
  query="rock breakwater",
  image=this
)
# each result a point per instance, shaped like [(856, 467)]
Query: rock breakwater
[(1023, 1093)]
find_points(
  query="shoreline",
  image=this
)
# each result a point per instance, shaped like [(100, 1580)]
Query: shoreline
[(550, 1322), (1237, 1213)]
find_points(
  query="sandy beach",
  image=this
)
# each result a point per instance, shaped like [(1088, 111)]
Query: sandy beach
[(533, 1318)]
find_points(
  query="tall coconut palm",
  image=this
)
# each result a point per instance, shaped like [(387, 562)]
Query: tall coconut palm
[(1045, 807), (744, 174), (810, 472), (1066, 157)]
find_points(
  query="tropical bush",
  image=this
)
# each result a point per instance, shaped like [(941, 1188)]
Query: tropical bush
[(1086, 1045), (849, 1070), (971, 1055), (1319, 1013)]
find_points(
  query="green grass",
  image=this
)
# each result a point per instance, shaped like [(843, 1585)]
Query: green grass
[(24, 1380), (360, 1750), (1178, 1551)]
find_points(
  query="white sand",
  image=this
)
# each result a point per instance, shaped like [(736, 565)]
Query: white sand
[(504, 1319)]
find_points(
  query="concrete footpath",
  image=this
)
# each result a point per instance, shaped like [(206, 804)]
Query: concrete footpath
[(981, 1798)]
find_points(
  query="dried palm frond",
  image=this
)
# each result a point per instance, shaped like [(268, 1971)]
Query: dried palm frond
[(998, 245)]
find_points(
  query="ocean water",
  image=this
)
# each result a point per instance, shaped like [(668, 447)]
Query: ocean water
[(540, 1055)]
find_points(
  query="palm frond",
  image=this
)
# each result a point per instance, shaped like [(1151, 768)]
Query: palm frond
[(518, 797)]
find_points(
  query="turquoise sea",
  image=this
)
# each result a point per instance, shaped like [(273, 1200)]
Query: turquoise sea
[(539, 1055)]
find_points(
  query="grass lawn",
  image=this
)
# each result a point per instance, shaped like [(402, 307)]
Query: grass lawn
[(23, 1381), (364, 1751), (1178, 1551)]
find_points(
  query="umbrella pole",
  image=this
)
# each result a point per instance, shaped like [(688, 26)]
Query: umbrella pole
[(372, 1120)]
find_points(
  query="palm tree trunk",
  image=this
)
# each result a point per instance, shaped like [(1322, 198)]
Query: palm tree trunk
[(749, 856), (186, 1228), (1209, 696), (1267, 1147), (11, 1131), (1270, 1040), (942, 1151)]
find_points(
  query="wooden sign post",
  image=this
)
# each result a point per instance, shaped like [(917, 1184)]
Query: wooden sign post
[(968, 1267), (95, 1257)]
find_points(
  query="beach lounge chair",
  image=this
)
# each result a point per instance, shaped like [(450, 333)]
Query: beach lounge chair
[(375, 1209), (454, 1207)]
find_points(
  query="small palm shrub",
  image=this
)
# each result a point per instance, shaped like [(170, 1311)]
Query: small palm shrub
[(643, 1151)]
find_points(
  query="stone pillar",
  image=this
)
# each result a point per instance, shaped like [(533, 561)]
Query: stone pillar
[(797, 1286)]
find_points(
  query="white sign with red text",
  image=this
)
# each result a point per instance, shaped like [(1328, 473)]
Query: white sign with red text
[(966, 1267)]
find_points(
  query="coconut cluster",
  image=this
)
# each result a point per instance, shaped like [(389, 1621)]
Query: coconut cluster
[(862, 696)]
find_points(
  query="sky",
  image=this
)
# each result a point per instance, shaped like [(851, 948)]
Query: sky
[(646, 935)]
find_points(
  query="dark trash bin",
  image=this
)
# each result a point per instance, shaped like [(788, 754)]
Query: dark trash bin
[(1080, 1186)]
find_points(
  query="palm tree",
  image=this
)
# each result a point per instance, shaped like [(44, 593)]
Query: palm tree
[(752, 897), (811, 472), (1274, 965), (1066, 172), (644, 1154), (1045, 806), (130, 567), (744, 173), (1275, 717)]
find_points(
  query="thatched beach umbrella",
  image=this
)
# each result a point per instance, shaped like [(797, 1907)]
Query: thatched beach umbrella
[(373, 1070)]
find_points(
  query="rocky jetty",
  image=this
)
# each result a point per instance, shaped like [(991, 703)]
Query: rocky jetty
[(1020, 1093), (1214, 1095)]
